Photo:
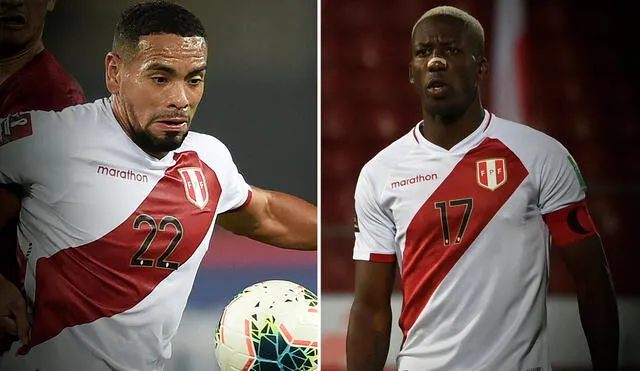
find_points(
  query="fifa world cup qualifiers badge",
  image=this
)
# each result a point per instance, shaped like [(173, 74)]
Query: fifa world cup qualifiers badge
[(573, 163), (14, 127)]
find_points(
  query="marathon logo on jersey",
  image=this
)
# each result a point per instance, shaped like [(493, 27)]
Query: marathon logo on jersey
[(122, 174), (14, 127), (195, 186), (492, 173), (413, 180)]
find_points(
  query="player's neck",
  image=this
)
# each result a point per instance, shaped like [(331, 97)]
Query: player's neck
[(12, 64), (446, 132), (125, 124)]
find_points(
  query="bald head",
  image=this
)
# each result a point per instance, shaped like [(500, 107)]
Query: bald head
[(472, 26)]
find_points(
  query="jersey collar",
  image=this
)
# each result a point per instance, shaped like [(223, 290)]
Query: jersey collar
[(472, 140)]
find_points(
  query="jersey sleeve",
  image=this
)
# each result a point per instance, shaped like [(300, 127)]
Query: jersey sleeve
[(562, 198), (561, 181), (29, 147), (374, 229), (236, 193)]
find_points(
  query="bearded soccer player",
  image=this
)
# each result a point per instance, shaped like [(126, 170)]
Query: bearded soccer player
[(30, 79), (122, 202), (465, 204)]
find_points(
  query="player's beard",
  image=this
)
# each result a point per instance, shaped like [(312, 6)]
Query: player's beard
[(151, 143)]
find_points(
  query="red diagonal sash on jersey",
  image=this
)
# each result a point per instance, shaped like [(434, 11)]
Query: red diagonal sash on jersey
[(81, 284), (426, 259)]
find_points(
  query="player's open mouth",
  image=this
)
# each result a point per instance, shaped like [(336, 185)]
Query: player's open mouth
[(12, 21), (437, 87), (172, 124)]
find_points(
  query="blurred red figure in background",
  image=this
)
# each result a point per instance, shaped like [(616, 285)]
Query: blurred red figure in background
[(30, 79)]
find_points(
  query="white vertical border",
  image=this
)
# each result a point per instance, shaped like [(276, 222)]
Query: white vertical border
[(319, 171)]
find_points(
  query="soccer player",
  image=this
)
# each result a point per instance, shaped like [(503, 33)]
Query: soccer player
[(465, 204), (122, 202), (30, 76), (30, 79)]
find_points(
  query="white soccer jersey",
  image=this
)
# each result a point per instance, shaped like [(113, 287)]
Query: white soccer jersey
[(465, 226), (111, 237)]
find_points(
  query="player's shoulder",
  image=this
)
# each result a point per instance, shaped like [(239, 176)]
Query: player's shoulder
[(81, 115), (522, 139), (209, 148), (392, 154), (60, 129), (202, 142)]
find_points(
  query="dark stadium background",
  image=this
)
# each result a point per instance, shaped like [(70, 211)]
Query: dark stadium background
[(582, 80), (260, 100)]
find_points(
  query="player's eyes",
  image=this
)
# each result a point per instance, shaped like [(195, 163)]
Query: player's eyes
[(196, 81), (454, 51), (159, 79), (422, 52)]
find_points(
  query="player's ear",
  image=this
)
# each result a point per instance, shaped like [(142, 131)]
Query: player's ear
[(50, 5), (411, 79), (112, 72), (483, 68)]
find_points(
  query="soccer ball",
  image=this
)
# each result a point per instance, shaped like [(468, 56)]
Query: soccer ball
[(271, 325)]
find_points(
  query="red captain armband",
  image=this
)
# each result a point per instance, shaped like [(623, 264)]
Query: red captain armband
[(570, 224)]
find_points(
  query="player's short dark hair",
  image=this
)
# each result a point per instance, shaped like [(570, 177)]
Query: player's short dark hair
[(152, 18)]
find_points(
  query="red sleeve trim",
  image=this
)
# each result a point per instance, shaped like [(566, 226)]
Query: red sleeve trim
[(382, 258), (570, 224), (245, 204)]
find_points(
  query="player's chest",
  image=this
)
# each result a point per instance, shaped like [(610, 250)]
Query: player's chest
[(100, 196), (455, 191)]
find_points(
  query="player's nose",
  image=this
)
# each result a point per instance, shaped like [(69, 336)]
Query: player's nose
[(179, 98), (437, 63)]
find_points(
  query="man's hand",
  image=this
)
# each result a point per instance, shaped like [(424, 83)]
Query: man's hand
[(13, 311)]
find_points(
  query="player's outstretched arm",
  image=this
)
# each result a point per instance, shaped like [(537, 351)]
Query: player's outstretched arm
[(370, 318), (587, 263), (9, 206), (275, 218)]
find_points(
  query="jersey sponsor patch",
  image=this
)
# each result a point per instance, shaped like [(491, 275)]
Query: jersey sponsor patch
[(14, 127), (491, 173)]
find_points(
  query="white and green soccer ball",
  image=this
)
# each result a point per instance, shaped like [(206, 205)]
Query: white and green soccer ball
[(271, 325)]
